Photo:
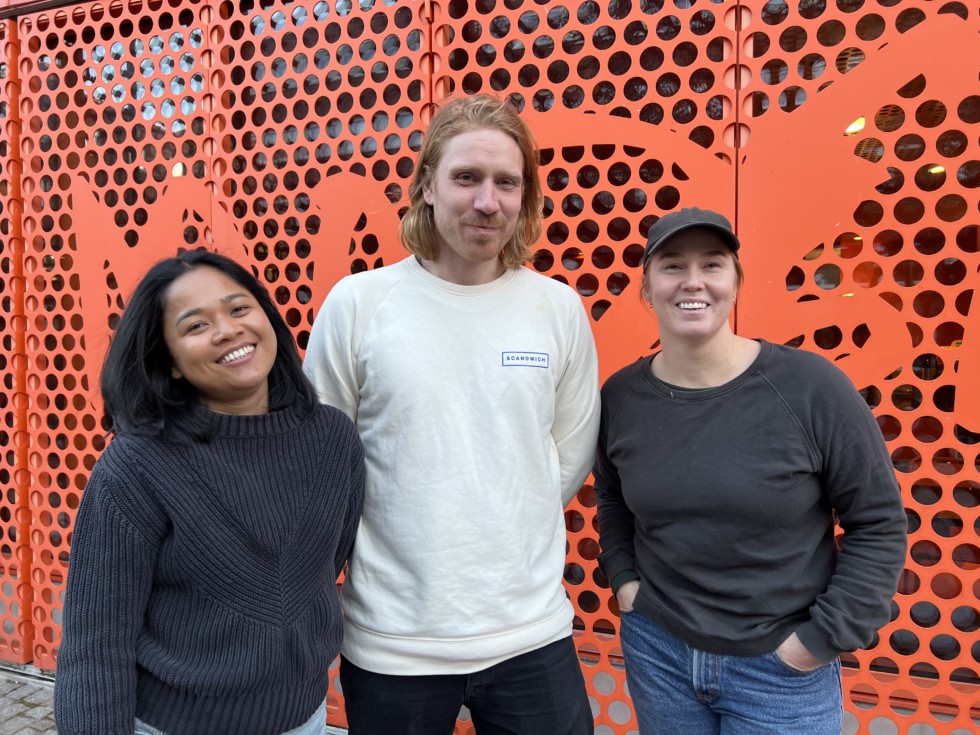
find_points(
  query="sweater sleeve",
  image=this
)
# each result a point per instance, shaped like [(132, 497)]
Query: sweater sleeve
[(616, 521), (109, 581), (861, 487), (355, 503), (331, 362), (577, 407)]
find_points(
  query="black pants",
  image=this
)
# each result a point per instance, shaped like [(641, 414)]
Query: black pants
[(537, 693)]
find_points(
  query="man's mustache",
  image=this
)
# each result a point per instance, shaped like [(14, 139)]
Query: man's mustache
[(498, 222)]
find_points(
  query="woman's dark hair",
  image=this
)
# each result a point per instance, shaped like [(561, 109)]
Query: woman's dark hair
[(140, 394)]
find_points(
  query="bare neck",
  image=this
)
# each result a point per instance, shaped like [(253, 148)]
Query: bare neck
[(706, 364), (464, 273)]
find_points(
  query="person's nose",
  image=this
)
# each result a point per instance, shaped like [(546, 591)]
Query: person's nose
[(225, 328), (692, 279), (486, 198)]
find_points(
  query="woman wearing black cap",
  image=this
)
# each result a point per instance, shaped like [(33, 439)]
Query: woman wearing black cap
[(722, 464)]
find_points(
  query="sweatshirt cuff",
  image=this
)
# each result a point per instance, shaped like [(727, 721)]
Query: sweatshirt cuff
[(816, 643), (613, 562), (627, 575)]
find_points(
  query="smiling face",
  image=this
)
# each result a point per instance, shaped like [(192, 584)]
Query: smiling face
[(475, 193), (691, 283), (220, 341)]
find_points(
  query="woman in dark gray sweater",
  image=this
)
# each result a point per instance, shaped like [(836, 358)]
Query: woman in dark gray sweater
[(722, 464), (201, 591)]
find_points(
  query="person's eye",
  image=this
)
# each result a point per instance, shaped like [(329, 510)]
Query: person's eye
[(195, 327), (465, 178), (508, 184), (240, 309)]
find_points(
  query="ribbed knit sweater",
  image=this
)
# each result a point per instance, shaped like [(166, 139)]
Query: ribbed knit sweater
[(201, 590)]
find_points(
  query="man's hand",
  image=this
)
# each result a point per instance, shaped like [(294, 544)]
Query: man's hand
[(795, 655)]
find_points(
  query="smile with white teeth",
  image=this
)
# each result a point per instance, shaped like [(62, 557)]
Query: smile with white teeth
[(237, 354), (691, 305)]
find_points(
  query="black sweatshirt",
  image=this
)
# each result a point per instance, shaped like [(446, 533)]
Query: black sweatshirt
[(722, 501)]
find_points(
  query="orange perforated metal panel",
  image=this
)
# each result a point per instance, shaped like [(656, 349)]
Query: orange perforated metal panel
[(840, 136), (16, 631), (320, 109), (114, 120)]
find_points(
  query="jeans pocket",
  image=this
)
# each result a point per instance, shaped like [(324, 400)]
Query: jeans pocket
[(792, 669)]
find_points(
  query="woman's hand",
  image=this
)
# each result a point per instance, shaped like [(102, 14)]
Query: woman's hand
[(795, 655), (626, 595)]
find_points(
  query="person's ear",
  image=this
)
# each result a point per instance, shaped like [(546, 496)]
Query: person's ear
[(427, 194)]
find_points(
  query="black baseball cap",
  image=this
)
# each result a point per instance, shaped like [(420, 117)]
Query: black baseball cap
[(671, 224)]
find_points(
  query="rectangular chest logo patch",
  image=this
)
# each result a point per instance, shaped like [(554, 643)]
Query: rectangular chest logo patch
[(524, 359)]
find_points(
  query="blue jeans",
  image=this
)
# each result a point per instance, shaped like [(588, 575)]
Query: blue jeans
[(679, 689), (316, 725), (537, 693)]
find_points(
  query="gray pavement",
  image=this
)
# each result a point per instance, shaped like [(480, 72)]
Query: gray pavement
[(26, 699)]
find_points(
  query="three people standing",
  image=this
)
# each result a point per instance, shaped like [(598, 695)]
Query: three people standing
[(722, 465)]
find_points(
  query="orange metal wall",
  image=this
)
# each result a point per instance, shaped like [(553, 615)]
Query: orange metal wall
[(843, 138)]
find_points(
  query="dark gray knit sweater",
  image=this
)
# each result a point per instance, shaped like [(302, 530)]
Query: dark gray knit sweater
[(201, 590)]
